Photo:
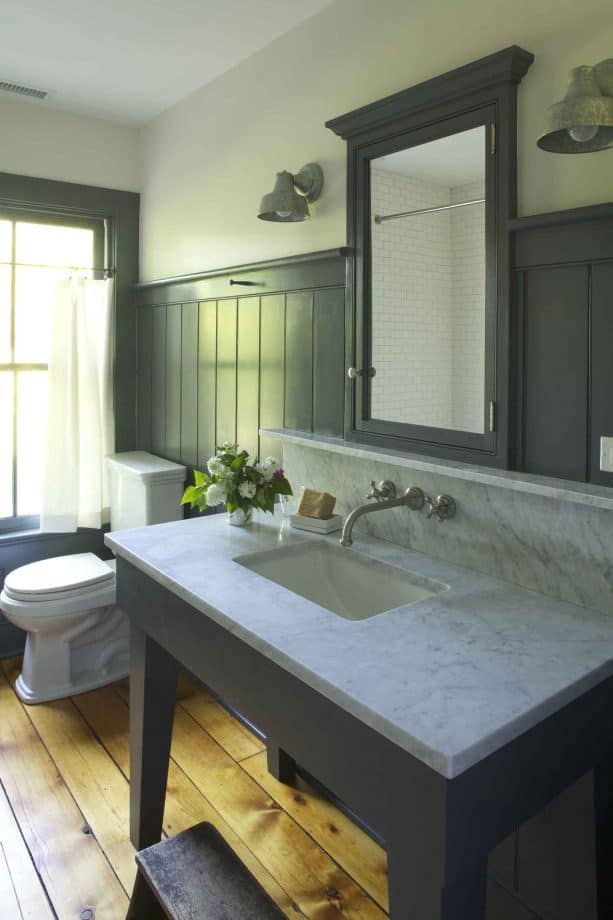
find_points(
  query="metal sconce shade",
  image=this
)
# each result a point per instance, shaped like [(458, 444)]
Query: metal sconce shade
[(284, 204), (583, 121)]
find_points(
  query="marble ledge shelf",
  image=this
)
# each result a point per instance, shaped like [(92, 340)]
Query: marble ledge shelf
[(558, 489)]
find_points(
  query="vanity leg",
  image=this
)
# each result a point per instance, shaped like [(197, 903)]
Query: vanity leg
[(418, 890), (280, 764), (153, 686), (603, 816), (437, 868)]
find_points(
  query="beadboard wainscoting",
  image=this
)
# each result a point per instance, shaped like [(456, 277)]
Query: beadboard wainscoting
[(562, 334), (225, 353)]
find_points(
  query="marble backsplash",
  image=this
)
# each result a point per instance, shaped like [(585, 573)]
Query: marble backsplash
[(559, 548)]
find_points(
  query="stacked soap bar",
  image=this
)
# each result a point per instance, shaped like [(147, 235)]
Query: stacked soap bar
[(314, 504)]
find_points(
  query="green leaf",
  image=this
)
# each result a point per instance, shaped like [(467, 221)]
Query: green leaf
[(282, 487), (189, 496), (201, 478), (239, 462), (267, 500)]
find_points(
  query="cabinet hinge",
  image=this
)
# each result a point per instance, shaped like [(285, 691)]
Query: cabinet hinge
[(492, 139), (492, 415)]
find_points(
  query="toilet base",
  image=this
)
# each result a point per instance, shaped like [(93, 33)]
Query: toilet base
[(92, 652), (82, 684)]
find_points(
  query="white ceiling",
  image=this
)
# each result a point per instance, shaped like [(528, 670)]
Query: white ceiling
[(451, 160), (128, 60)]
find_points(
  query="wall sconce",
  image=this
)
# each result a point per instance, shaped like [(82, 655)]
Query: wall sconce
[(288, 200), (583, 121)]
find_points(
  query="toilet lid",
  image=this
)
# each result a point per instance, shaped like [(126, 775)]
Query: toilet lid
[(72, 575)]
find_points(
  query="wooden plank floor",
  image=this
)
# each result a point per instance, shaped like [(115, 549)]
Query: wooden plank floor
[(64, 845)]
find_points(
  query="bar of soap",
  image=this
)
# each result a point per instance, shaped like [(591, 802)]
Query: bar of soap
[(316, 504)]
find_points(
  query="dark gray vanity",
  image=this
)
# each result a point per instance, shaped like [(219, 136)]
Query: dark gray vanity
[(444, 723)]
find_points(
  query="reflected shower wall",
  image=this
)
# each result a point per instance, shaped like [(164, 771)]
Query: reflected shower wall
[(428, 284)]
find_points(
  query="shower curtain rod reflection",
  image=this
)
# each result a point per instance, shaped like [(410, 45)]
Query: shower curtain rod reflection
[(444, 207), (107, 272)]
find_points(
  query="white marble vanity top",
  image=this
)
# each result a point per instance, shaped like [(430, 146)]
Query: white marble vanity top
[(450, 679)]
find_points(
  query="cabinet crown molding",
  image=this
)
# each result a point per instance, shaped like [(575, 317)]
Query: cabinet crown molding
[(507, 66)]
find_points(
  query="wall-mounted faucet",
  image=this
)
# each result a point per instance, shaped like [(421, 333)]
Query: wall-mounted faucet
[(384, 495), (443, 507)]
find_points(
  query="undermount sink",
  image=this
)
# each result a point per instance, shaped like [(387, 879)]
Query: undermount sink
[(345, 582)]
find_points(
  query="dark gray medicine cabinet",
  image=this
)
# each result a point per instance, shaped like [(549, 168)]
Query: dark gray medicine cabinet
[(431, 188)]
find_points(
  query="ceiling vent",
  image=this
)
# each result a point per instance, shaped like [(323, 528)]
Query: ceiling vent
[(19, 90)]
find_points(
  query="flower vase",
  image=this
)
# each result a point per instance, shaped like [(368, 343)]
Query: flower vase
[(240, 518)]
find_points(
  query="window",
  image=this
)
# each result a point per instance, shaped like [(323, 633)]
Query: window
[(36, 251)]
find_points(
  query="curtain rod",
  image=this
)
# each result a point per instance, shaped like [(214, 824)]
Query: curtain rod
[(108, 272), (445, 207)]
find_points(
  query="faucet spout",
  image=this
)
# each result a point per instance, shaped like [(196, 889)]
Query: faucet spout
[(413, 499)]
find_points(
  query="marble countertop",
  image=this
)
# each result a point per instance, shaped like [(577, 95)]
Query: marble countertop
[(450, 679)]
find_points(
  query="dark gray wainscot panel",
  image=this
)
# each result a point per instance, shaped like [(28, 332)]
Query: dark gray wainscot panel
[(222, 354), (563, 342)]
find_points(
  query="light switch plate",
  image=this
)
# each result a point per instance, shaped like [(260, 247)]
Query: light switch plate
[(606, 455)]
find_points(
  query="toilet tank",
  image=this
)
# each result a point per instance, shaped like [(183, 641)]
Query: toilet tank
[(144, 489)]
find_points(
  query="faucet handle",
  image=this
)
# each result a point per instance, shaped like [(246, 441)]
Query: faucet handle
[(443, 507), (385, 489)]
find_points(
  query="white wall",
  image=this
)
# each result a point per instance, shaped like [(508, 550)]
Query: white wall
[(208, 160), (50, 144)]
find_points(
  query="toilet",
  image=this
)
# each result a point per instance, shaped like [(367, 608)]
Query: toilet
[(77, 636)]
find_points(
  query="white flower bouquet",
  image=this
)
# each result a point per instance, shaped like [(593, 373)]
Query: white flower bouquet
[(234, 481)]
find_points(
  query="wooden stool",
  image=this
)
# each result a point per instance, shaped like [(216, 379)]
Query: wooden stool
[(197, 876)]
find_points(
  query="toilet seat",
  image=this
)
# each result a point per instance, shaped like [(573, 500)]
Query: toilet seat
[(58, 576), (60, 587)]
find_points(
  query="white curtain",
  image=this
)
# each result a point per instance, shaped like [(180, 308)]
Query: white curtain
[(80, 430)]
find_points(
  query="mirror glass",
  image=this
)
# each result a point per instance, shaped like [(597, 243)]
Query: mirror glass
[(427, 217)]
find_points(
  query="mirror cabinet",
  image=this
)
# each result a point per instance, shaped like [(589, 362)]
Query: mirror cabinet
[(431, 188)]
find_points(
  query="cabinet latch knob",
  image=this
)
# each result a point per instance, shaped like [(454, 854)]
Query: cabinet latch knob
[(354, 372)]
